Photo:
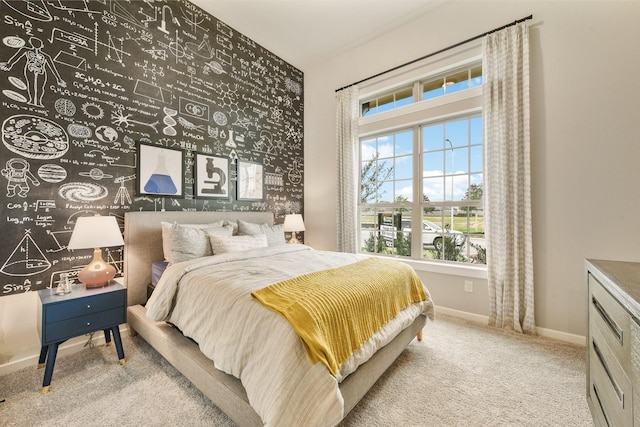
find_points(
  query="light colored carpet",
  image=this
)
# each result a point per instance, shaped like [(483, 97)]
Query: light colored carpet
[(461, 374)]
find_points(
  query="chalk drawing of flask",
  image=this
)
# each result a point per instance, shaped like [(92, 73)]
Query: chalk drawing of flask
[(160, 181)]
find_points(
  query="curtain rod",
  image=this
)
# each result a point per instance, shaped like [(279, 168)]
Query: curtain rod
[(439, 51)]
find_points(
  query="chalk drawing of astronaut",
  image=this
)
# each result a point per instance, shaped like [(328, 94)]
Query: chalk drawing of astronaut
[(18, 174)]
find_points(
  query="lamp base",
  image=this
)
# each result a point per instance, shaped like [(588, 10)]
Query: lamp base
[(294, 238), (97, 273)]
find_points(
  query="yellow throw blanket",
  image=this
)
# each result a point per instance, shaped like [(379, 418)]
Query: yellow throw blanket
[(335, 311)]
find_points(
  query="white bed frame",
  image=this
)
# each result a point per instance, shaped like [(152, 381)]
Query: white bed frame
[(143, 245)]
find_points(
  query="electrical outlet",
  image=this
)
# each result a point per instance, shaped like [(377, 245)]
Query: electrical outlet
[(468, 286)]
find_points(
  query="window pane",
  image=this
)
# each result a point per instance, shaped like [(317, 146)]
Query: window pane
[(476, 159), (432, 137), (460, 160), (433, 89), (457, 82), (475, 125), (385, 103), (404, 143), (385, 192), (404, 97), (432, 163), (433, 188), (404, 191), (385, 147), (368, 149), (457, 133), (460, 186), (476, 77), (403, 168)]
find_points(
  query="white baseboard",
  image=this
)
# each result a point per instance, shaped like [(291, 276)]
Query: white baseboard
[(69, 347), (543, 332)]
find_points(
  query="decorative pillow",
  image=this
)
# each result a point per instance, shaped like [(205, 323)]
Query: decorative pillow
[(184, 242), (274, 233), (226, 244), (206, 225), (233, 224)]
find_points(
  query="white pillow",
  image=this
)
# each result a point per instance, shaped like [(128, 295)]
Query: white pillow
[(184, 242), (274, 233), (227, 244)]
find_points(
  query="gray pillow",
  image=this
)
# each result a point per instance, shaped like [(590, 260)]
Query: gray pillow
[(186, 242), (274, 233)]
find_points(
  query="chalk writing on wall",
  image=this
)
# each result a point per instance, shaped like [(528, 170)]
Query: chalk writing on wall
[(83, 83)]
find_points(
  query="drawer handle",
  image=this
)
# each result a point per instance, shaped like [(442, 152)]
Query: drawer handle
[(607, 319), (88, 323), (616, 387), (604, 414), (88, 305)]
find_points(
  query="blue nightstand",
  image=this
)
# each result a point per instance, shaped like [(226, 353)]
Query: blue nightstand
[(80, 312)]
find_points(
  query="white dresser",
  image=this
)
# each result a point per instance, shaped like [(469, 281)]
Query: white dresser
[(613, 352)]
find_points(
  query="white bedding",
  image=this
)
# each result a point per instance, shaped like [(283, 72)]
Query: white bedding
[(209, 299)]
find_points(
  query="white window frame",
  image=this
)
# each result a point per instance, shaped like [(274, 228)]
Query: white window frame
[(423, 112)]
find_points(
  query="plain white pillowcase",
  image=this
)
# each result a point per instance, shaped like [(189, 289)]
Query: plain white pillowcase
[(274, 233), (228, 244)]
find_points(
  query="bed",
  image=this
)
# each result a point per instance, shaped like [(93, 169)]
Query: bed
[(144, 246)]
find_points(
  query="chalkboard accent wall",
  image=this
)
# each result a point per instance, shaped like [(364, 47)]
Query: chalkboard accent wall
[(88, 84)]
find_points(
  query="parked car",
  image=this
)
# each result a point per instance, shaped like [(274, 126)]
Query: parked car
[(432, 234)]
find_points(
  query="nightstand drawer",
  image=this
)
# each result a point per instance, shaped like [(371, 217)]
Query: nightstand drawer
[(88, 305), (60, 331)]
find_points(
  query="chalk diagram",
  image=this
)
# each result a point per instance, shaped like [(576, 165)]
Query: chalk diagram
[(123, 193), (34, 137), (26, 259), (169, 121), (35, 69), (76, 130), (31, 9), (18, 174), (95, 174), (52, 173), (65, 106), (82, 192), (294, 174)]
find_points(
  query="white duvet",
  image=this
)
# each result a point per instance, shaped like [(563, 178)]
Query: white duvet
[(209, 299)]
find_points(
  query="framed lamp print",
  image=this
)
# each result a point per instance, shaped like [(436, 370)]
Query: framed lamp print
[(160, 170), (250, 185), (211, 177)]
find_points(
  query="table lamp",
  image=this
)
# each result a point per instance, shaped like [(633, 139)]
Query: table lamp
[(293, 223), (96, 232)]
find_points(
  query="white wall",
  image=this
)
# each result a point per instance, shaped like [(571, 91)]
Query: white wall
[(585, 139)]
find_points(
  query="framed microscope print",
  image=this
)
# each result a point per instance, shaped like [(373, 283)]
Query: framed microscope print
[(211, 177)]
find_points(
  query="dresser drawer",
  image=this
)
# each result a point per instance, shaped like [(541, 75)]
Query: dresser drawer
[(79, 307), (612, 320), (610, 387), (65, 329)]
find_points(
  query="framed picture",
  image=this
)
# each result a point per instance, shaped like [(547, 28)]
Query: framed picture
[(250, 184), (212, 177), (160, 170)]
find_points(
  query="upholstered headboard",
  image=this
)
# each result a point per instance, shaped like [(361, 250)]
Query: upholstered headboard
[(143, 242)]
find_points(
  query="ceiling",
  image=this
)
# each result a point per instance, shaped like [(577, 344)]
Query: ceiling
[(306, 32)]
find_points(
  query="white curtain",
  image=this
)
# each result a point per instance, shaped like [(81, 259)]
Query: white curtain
[(507, 179), (347, 140)]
